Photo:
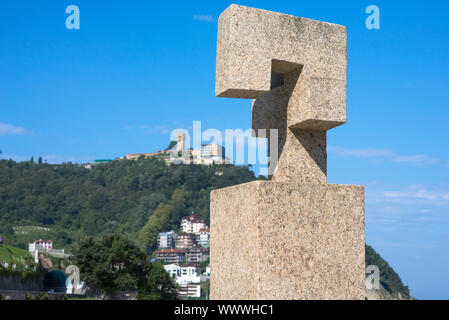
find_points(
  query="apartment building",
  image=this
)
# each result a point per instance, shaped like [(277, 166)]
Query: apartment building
[(203, 237), (192, 224), (171, 255), (197, 255), (185, 241), (166, 239)]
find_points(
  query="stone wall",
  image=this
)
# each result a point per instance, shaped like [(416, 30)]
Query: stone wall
[(16, 282)]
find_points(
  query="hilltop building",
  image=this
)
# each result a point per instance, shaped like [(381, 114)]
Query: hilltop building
[(164, 154), (95, 163), (177, 151), (212, 153), (180, 142), (44, 245)]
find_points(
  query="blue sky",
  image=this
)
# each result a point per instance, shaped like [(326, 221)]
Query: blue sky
[(138, 69)]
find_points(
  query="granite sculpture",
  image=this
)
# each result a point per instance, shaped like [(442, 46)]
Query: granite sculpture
[(293, 236)]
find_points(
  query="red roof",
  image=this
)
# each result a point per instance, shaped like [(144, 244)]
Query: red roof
[(170, 250), (47, 241), (186, 235), (193, 218), (198, 248)]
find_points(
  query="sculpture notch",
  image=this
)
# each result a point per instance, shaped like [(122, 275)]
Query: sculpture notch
[(295, 68)]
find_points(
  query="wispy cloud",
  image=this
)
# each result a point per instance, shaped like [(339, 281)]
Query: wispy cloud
[(204, 18), (389, 155), (420, 159), (148, 129), (361, 153), (9, 129), (162, 129), (407, 205), (418, 194)]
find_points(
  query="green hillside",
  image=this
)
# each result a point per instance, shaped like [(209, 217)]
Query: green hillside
[(11, 254), (67, 203), (389, 279)]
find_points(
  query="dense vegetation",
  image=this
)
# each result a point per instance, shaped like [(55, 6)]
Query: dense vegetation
[(113, 263), (66, 203), (17, 262), (10, 254), (389, 279)]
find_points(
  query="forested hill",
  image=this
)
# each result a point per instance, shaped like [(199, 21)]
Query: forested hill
[(390, 281), (68, 202), (139, 198)]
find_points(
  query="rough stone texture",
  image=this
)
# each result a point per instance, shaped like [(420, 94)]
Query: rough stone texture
[(293, 237), (280, 240), (301, 154), (255, 50)]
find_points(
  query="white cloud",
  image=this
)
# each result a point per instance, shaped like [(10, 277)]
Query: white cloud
[(419, 194), (407, 206), (204, 18), (360, 153), (389, 155), (148, 129), (9, 129), (420, 159), (162, 129)]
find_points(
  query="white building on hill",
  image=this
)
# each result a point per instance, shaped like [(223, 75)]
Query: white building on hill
[(203, 237), (184, 274), (40, 245), (192, 224)]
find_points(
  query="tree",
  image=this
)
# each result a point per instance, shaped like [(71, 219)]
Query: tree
[(161, 218), (156, 223), (117, 197), (114, 263), (389, 279)]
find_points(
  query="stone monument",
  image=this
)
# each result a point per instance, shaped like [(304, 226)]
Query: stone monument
[(294, 236)]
